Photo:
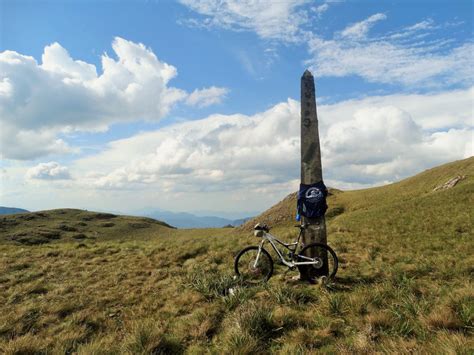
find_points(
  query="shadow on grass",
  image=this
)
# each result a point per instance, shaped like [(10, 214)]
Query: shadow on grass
[(347, 283)]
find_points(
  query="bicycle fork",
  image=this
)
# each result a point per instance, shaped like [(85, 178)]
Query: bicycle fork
[(258, 253)]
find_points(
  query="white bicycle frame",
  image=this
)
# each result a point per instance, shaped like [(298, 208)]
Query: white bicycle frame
[(267, 237)]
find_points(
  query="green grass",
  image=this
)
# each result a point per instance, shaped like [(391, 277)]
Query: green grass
[(404, 284)]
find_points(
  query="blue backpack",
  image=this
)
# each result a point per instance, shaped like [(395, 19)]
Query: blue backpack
[(312, 200)]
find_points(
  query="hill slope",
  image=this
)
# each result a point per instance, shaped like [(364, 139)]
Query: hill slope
[(71, 224), (404, 284), (405, 204)]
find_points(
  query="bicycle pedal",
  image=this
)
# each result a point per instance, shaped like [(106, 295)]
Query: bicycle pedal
[(322, 280)]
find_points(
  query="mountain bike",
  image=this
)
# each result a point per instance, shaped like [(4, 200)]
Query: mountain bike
[(255, 265)]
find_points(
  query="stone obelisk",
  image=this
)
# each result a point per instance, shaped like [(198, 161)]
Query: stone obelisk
[(311, 170)]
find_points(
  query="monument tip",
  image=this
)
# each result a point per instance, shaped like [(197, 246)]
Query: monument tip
[(307, 73)]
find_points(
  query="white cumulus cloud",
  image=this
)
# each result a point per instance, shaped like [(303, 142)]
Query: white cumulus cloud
[(217, 153), (62, 94), (48, 171), (364, 143), (206, 97), (384, 143)]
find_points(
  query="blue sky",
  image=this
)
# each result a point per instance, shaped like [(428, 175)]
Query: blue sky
[(197, 108)]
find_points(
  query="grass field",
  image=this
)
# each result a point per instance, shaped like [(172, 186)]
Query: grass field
[(80, 282)]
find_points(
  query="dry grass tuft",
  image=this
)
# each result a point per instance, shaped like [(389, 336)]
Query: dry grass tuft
[(380, 320), (444, 318)]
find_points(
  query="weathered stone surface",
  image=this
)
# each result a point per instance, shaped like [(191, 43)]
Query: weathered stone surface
[(311, 168), (310, 149)]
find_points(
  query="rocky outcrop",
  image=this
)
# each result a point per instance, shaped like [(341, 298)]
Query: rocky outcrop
[(450, 183)]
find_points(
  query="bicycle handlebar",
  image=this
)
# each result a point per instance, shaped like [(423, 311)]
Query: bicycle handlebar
[(264, 227)]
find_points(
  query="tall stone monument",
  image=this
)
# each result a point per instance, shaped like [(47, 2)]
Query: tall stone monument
[(311, 170)]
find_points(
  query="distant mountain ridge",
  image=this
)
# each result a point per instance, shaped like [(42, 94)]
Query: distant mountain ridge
[(11, 210), (175, 219), (189, 220)]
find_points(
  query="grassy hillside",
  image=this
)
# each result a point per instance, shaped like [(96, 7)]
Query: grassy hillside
[(70, 224), (395, 202), (404, 285)]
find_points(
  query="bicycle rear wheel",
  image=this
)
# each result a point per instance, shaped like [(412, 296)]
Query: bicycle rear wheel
[(252, 270), (317, 249)]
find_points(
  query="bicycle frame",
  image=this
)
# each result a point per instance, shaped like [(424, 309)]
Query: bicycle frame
[(267, 237)]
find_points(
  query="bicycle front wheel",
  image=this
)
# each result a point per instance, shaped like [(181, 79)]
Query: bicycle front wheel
[(323, 254), (251, 269)]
